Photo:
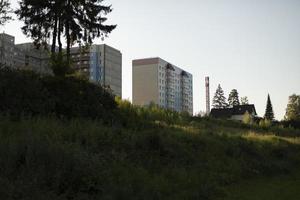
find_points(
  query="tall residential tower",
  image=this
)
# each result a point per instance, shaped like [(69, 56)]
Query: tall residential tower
[(102, 64), (156, 80)]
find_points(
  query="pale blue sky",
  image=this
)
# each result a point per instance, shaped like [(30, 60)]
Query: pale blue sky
[(250, 45)]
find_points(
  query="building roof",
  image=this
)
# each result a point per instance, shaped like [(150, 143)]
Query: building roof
[(235, 110), (242, 109), (221, 113)]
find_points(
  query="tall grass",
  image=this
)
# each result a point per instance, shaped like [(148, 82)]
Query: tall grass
[(46, 158)]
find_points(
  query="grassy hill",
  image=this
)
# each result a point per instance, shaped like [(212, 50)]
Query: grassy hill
[(47, 158), (68, 139)]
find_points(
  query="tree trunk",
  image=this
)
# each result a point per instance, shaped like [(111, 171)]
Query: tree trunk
[(59, 35), (68, 32), (54, 36)]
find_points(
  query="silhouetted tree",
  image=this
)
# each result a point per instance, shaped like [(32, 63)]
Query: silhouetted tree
[(84, 21), (219, 100), (269, 114), (293, 108), (4, 12), (76, 20), (39, 19), (244, 101), (233, 99)]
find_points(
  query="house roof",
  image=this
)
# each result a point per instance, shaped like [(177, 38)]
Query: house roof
[(235, 110), (242, 109), (221, 113)]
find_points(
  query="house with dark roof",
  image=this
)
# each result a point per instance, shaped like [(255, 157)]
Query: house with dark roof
[(234, 113)]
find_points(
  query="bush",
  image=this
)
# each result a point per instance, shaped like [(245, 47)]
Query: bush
[(29, 94)]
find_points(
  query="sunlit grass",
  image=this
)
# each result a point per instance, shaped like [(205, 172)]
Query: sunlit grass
[(270, 137)]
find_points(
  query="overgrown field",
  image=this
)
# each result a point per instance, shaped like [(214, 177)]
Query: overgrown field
[(46, 158)]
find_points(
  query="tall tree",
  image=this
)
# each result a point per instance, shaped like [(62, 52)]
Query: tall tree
[(219, 100), (293, 108), (84, 21), (269, 114), (76, 20), (4, 12), (39, 21), (244, 100), (233, 99)]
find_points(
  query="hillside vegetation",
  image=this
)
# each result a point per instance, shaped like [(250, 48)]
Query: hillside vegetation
[(131, 153)]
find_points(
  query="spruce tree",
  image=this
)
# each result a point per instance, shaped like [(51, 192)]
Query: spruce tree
[(233, 99), (4, 11), (269, 114), (219, 100), (79, 21)]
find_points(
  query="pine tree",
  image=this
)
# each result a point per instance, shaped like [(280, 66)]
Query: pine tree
[(76, 20), (269, 114), (233, 99), (219, 100), (4, 12)]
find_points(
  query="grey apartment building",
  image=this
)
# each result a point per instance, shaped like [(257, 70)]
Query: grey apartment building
[(158, 81), (23, 56), (102, 64)]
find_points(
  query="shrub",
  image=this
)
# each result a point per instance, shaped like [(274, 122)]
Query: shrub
[(29, 94)]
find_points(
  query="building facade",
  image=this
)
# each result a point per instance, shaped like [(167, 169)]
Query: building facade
[(7, 51), (157, 81), (102, 64), (23, 56)]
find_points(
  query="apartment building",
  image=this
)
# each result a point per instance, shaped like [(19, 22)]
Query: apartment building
[(158, 81), (37, 60), (8, 52), (102, 64), (23, 56)]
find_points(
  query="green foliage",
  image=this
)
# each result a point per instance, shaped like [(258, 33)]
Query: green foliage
[(23, 93), (26, 93), (4, 11), (247, 119), (219, 100), (293, 108), (60, 66), (44, 158), (244, 101), (140, 117), (233, 99), (265, 123), (269, 114)]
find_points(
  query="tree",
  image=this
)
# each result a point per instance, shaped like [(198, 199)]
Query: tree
[(219, 100), (244, 101), (233, 99), (293, 108), (247, 119), (269, 114), (84, 22), (4, 12), (78, 21), (39, 21)]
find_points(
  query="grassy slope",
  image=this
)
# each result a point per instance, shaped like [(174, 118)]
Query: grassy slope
[(50, 159), (275, 188)]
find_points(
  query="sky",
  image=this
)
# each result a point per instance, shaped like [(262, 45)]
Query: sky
[(249, 45)]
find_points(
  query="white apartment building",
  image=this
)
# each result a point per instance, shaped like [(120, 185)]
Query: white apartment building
[(156, 80)]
